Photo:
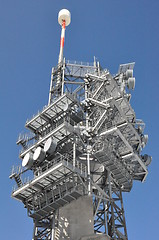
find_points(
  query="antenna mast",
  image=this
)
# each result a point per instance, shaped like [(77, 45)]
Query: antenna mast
[(57, 77), (64, 19)]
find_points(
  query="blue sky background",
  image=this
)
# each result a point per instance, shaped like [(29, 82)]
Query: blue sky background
[(115, 31)]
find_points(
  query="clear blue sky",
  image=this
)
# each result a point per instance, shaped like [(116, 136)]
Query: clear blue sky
[(115, 31)]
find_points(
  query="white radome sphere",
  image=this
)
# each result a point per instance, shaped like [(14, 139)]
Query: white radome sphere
[(64, 14)]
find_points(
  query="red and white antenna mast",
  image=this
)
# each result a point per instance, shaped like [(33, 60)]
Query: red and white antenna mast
[(64, 19)]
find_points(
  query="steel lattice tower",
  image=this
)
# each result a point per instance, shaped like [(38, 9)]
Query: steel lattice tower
[(83, 149)]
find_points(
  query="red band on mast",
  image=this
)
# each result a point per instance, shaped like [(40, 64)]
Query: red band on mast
[(64, 24), (62, 42)]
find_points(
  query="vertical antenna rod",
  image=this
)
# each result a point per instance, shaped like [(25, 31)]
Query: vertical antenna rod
[(64, 19)]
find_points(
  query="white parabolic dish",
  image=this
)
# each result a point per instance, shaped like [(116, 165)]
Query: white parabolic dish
[(39, 154), (27, 160), (50, 146)]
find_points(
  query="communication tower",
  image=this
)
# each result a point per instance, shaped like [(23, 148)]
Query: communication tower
[(81, 152)]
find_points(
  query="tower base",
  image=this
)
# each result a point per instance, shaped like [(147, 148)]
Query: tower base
[(75, 221)]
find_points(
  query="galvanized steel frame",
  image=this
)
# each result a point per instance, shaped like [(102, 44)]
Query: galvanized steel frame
[(99, 124)]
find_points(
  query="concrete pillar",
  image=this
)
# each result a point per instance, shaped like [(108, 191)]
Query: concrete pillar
[(75, 220)]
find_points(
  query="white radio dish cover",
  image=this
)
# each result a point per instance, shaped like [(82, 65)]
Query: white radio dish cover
[(28, 160), (129, 73), (147, 159), (131, 83), (50, 146), (39, 154), (65, 107)]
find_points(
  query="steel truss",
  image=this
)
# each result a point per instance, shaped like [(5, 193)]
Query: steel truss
[(109, 213), (99, 143), (42, 229)]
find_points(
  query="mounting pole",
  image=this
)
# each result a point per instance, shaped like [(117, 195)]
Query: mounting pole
[(62, 41), (57, 80)]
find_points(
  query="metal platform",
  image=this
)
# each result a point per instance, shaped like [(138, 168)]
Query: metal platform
[(58, 185), (50, 113)]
